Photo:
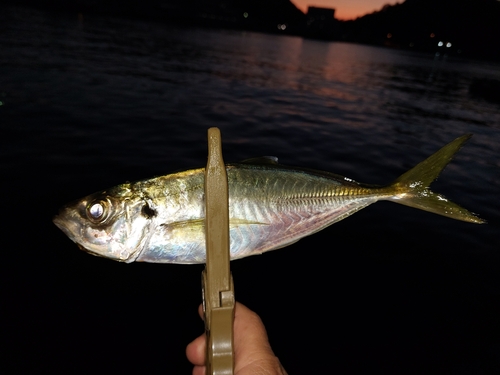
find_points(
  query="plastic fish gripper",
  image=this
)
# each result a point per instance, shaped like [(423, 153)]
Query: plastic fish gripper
[(217, 282)]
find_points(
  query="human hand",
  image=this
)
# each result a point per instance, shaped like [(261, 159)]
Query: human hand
[(252, 352)]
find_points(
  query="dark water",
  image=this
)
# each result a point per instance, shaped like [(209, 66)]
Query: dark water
[(88, 102)]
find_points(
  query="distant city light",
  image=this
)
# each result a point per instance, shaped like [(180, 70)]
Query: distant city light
[(245, 14), (448, 45), (281, 26), (440, 44), (432, 35), (389, 35)]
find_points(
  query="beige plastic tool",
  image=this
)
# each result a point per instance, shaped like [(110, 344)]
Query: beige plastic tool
[(217, 282)]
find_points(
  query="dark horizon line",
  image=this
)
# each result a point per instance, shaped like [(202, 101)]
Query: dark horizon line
[(468, 27)]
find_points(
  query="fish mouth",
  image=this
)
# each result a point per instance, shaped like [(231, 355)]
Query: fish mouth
[(63, 225), (83, 248)]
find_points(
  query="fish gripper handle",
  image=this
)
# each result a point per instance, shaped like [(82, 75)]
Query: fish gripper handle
[(217, 282)]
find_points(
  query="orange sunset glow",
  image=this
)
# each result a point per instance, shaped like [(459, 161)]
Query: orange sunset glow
[(345, 9)]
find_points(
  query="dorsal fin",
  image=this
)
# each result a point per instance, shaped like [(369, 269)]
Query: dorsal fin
[(261, 160)]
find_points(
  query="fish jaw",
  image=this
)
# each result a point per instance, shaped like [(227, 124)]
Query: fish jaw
[(121, 236)]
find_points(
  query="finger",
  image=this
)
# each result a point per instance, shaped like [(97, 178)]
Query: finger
[(199, 370), (195, 351), (201, 312)]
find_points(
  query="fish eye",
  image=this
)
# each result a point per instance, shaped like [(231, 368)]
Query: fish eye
[(98, 211)]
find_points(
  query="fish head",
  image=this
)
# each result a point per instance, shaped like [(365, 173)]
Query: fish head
[(113, 223)]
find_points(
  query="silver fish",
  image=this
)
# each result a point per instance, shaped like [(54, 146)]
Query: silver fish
[(161, 220)]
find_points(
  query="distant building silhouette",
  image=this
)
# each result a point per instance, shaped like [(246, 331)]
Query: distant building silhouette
[(320, 14), (321, 23)]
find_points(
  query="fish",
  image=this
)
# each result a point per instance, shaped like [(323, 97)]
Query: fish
[(162, 219)]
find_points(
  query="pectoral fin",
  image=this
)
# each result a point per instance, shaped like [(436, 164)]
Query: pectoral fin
[(236, 222), (198, 224)]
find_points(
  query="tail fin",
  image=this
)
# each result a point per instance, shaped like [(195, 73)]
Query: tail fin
[(411, 188)]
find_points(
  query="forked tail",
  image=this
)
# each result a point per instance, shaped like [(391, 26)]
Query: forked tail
[(412, 188)]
